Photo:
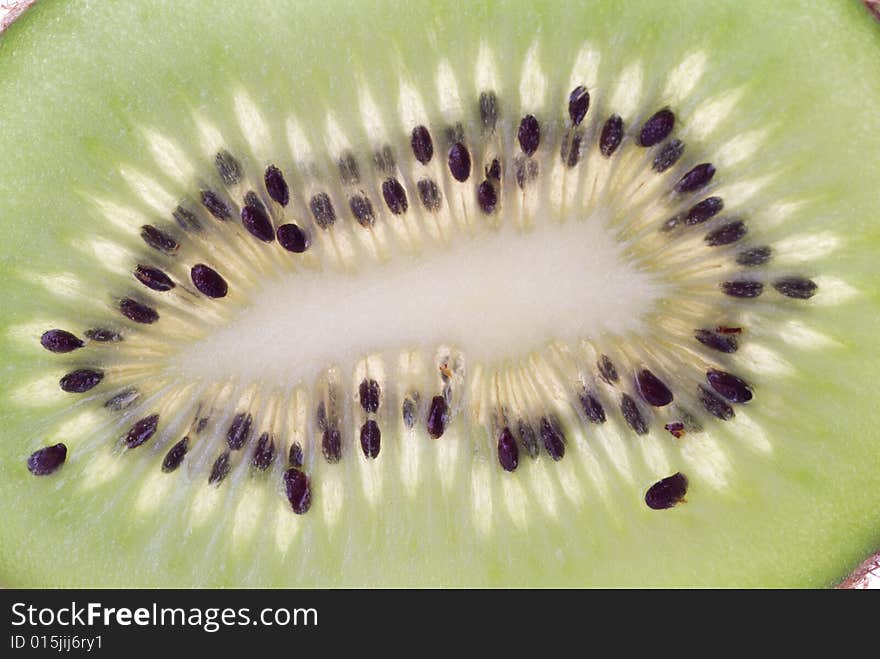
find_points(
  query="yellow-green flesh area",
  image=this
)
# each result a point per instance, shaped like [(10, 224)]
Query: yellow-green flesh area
[(113, 119)]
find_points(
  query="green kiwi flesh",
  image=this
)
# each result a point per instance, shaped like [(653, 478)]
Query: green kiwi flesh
[(116, 115)]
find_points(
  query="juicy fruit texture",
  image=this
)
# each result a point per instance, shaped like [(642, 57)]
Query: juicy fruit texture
[(713, 425)]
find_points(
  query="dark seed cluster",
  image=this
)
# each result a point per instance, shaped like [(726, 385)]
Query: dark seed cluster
[(650, 394)]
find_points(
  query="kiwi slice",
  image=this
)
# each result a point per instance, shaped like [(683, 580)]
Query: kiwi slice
[(539, 293)]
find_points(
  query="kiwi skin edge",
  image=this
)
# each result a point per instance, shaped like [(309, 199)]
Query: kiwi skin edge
[(864, 576)]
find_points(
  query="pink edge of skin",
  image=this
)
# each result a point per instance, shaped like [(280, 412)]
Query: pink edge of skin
[(865, 576), (9, 11)]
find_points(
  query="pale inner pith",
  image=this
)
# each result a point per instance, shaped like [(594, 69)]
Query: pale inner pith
[(499, 295)]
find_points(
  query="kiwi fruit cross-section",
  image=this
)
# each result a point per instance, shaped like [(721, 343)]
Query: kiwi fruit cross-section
[(439, 293)]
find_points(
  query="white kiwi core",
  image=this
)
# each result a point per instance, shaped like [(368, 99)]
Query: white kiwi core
[(502, 294)]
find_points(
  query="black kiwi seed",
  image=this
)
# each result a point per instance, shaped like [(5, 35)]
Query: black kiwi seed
[(754, 256), (215, 205), (666, 492), (632, 415), (528, 438), (487, 198), (714, 405), (607, 370), (676, 429), (331, 445), (369, 393), (715, 341), (529, 135), (295, 455), (488, 110), (208, 281), (726, 234), (186, 219), (459, 162), (265, 452), (158, 239), (384, 159), (153, 278), (553, 439), (742, 288), (703, 210), (122, 400), (438, 417), (256, 221), (652, 389), (422, 145), (657, 128), (292, 238), (61, 341), (571, 149), (731, 387), (668, 155), (592, 407), (80, 381), (220, 469), (139, 313), (349, 171), (408, 412), (526, 171), (371, 438), (201, 425), (578, 104), (429, 194), (696, 178), (493, 171), (47, 459), (276, 186), (239, 430), (798, 288), (362, 209), (175, 455), (141, 431), (395, 196), (508, 452), (103, 335), (228, 167), (298, 489), (611, 136), (322, 210)]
